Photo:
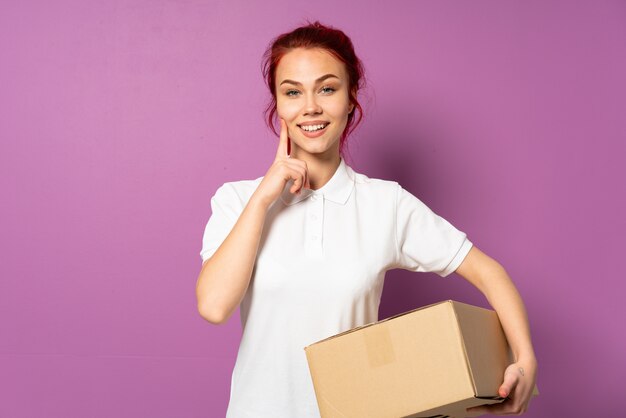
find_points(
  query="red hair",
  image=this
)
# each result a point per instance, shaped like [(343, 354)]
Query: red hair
[(315, 35)]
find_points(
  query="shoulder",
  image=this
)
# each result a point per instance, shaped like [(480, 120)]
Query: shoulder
[(238, 190), (374, 186), (386, 193), (242, 186)]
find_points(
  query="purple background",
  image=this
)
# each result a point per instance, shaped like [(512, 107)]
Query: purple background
[(119, 120)]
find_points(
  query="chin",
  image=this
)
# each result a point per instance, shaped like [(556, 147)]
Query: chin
[(317, 145)]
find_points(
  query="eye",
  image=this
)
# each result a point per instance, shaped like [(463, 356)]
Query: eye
[(325, 89)]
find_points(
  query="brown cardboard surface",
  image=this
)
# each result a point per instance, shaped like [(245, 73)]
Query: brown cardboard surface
[(435, 360), (485, 346)]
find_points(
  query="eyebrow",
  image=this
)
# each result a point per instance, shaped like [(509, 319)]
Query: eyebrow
[(297, 83)]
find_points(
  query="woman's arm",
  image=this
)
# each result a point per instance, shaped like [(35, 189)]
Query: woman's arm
[(225, 276), (492, 280)]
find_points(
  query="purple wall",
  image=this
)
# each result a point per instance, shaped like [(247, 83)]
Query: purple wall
[(119, 119)]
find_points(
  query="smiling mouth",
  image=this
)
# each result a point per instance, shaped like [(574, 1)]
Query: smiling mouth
[(314, 128)]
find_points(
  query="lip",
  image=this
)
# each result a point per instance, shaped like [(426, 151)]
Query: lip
[(314, 134), (313, 122)]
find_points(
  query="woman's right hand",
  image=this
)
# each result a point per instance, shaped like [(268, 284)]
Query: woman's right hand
[(281, 171)]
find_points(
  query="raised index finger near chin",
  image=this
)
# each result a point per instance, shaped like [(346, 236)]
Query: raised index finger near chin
[(282, 150)]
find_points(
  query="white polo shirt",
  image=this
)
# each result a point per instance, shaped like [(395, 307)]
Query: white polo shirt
[(319, 271)]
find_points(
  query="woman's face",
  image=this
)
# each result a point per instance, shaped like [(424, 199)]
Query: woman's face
[(312, 86)]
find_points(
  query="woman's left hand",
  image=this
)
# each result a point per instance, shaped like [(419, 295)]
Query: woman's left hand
[(517, 388)]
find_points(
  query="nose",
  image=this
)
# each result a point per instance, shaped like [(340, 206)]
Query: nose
[(311, 107)]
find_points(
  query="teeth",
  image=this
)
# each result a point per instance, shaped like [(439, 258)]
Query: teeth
[(312, 128)]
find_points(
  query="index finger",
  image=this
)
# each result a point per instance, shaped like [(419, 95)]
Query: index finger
[(284, 139)]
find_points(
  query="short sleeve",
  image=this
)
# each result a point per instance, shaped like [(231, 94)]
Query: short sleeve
[(426, 242), (225, 211)]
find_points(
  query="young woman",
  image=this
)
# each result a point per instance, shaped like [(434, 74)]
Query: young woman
[(304, 249)]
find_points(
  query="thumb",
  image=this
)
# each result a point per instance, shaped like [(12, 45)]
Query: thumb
[(510, 381)]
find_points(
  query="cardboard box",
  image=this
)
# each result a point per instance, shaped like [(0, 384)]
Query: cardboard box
[(432, 361)]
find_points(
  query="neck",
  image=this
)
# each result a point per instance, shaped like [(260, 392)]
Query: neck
[(320, 170)]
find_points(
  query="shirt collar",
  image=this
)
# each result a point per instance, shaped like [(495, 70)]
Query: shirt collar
[(337, 189)]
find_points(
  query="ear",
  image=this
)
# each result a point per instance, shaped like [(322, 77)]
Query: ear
[(352, 104)]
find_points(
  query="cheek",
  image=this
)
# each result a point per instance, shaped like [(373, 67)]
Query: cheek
[(339, 107), (286, 110), (339, 110)]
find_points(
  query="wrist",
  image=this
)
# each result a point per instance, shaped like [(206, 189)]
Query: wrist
[(523, 351), (527, 359), (259, 202)]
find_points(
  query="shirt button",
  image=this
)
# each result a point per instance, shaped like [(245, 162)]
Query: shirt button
[(313, 217), (314, 237), (314, 197)]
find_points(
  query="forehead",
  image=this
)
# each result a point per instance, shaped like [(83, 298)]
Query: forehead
[(306, 65)]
